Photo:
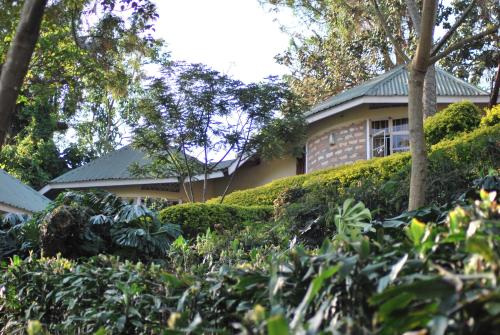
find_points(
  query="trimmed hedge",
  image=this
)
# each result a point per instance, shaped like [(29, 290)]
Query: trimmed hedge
[(457, 118), (470, 155), (492, 116), (196, 218)]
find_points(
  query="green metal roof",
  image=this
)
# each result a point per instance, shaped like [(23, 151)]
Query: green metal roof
[(13, 193), (114, 166), (395, 83)]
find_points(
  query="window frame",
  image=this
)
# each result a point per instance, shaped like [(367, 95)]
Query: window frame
[(390, 133)]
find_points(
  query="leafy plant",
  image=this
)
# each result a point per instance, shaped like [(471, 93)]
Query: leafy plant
[(439, 277), (18, 234), (492, 116), (84, 224), (454, 119)]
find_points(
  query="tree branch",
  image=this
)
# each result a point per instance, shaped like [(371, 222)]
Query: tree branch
[(452, 30), (414, 15), (463, 43), (383, 23)]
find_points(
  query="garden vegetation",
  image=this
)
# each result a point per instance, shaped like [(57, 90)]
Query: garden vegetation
[(332, 252)]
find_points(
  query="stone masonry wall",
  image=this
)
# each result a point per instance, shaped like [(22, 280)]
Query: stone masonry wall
[(350, 146)]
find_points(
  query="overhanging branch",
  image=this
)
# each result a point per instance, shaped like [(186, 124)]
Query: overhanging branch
[(452, 30), (463, 43), (383, 23)]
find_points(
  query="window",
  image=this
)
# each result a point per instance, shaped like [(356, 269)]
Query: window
[(389, 136)]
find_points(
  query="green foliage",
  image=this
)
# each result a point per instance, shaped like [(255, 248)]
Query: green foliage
[(381, 282), (84, 224), (196, 218), (382, 183), (492, 116), (18, 235), (82, 74), (455, 119)]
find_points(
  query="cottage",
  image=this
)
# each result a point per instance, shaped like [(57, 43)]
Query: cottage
[(112, 173), (370, 120)]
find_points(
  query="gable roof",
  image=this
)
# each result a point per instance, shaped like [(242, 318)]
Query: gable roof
[(15, 194), (113, 169), (395, 84)]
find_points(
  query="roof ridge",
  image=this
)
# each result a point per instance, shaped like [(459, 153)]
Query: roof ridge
[(386, 77)]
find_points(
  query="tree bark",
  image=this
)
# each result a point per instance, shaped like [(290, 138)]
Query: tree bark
[(18, 58), (429, 98), (418, 70), (429, 103), (496, 87)]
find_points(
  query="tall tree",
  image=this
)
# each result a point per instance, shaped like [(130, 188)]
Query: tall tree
[(341, 43), (418, 71), (194, 117), (18, 58), (73, 103), (425, 56)]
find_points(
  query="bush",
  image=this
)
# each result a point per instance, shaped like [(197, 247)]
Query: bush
[(457, 118), (81, 224), (492, 116), (453, 165), (196, 218), (370, 278)]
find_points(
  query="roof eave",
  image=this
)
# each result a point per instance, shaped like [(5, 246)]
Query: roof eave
[(8, 208), (320, 115), (121, 182)]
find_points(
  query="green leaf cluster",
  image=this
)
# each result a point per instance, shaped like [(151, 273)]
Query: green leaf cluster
[(450, 122)]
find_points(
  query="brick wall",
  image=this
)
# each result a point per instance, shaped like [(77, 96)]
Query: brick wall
[(350, 146)]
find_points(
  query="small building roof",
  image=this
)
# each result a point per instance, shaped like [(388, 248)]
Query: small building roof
[(113, 169), (113, 166), (395, 84), (18, 196)]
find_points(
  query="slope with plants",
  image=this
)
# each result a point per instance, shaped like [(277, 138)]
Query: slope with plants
[(438, 275)]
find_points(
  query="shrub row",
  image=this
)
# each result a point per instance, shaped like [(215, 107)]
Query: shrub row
[(460, 159), (196, 218)]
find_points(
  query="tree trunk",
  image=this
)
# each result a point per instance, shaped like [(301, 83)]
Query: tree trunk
[(496, 87), (18, 58), (417, 141), (429, 98), (418, 70), (430, 87)]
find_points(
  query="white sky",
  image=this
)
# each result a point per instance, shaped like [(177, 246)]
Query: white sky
[(236, 37)]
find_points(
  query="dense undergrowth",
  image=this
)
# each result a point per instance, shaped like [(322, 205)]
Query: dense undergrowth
[(332, 252), (369, 277)]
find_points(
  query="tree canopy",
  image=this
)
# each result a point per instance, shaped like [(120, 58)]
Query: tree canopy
[(72, 106), (342, 43), (191, 118)]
